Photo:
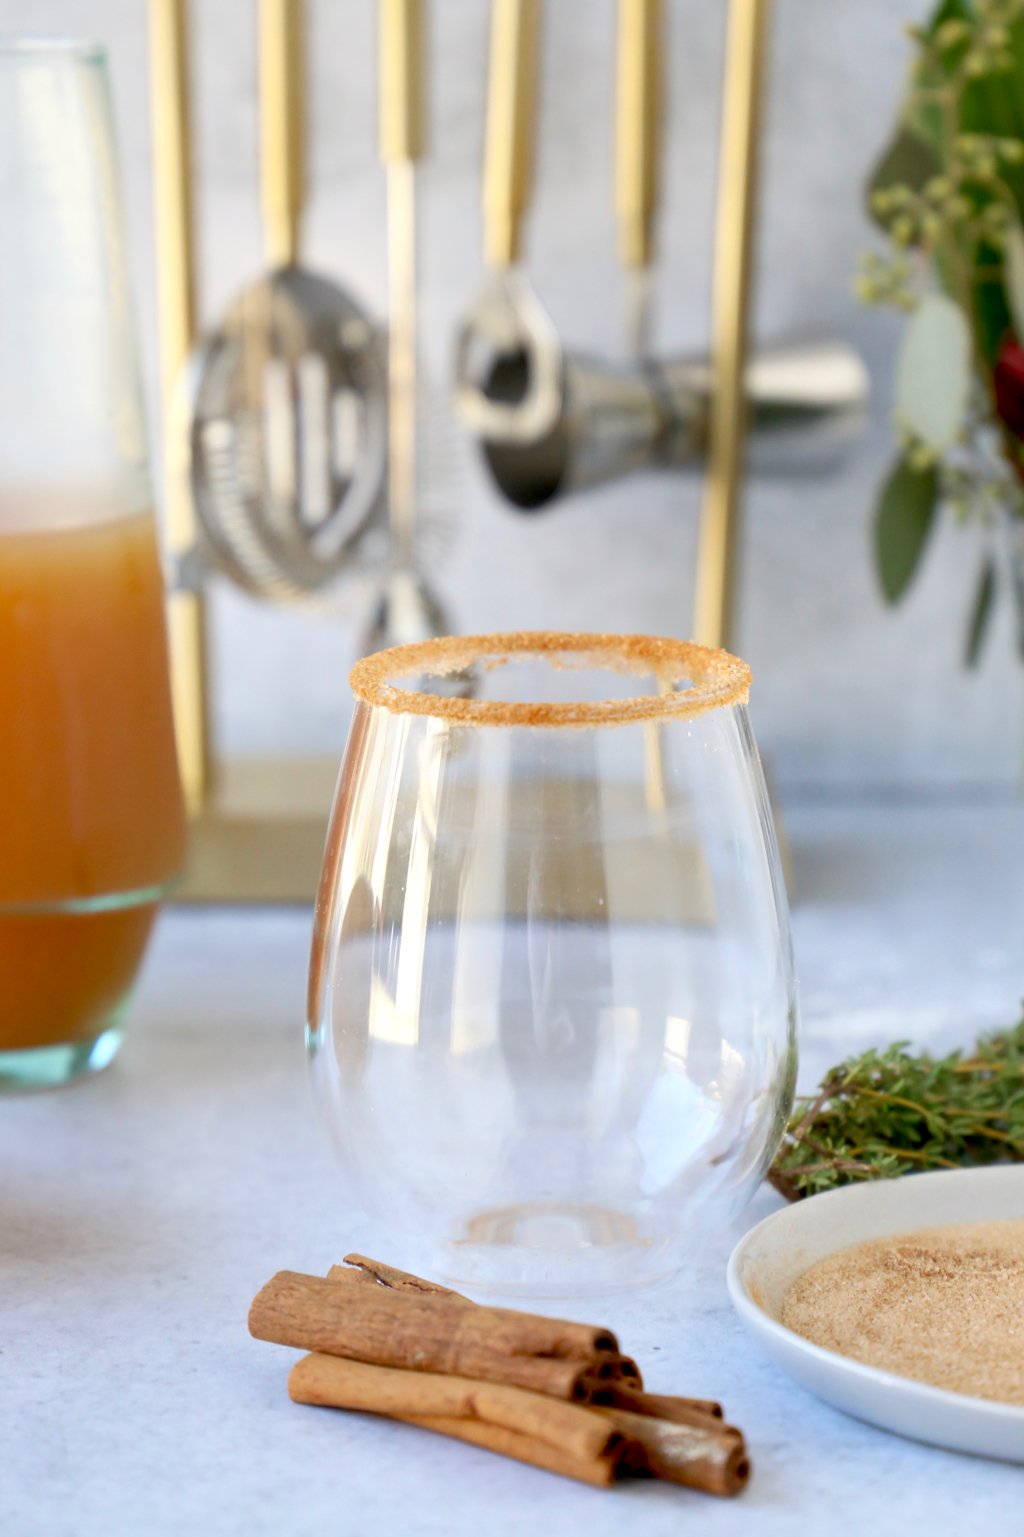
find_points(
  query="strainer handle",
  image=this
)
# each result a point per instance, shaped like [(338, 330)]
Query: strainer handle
[(638, 101), (282, 146), (511, 111)]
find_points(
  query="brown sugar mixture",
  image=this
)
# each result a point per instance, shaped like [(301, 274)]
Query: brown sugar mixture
[(714, 678), (944, 1305)]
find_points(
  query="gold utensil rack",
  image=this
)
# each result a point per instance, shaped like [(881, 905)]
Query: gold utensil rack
[(258, 824)]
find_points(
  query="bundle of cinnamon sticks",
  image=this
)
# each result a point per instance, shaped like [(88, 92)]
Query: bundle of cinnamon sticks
[(558, 1395)]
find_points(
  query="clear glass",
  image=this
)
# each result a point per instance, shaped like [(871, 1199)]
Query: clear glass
[(92, 825), (552, 1009)]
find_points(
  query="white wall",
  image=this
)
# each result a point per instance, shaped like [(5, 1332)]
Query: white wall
[(846, 693)]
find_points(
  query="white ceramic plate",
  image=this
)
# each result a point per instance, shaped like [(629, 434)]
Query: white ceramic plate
[(769, 1259)]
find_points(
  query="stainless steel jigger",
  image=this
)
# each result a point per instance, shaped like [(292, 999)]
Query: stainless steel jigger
[(807, 406), (604, 420)]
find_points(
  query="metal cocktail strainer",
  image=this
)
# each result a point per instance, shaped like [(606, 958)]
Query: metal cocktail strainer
[(289, 435), (289, 428)]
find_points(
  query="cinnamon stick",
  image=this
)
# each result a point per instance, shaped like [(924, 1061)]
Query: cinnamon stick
[(587, 1443), (388, 1328), (715, 1462), (387, 1275), (330, 1381), (660, 1406), (551, 1393), (510, 1443), (612, 1369), (357, 1268)]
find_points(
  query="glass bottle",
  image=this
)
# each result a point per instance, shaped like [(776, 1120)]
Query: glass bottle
[(91, 817)]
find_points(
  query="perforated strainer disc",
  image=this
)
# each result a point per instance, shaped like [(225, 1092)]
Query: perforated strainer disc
[(288, 438)]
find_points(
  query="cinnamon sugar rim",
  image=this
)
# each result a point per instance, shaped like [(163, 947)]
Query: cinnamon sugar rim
[(715, 678)]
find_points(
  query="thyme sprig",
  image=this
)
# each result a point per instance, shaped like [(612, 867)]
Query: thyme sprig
[(895, 1111)]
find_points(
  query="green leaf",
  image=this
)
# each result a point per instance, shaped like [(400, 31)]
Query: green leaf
[(949, 10), (908, 162), (906, 511), (992, 104), (925, 117), (995, 104), (933, 376), (981, 613), (990, 309), (1013, 276)]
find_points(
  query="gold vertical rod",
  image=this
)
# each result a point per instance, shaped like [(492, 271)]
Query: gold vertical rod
[(746, 49), (637, 123), (402, 360), (172, 181), (401, 133), (508, 148), (282, 130), (637, 109), (400, 57)]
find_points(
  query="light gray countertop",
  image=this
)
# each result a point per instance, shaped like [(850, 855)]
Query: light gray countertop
[(140, 1212)]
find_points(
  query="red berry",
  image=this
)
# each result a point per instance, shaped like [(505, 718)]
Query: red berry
[(1008, 380)]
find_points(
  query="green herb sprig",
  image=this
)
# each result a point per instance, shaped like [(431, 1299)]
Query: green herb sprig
[(896, 1112)]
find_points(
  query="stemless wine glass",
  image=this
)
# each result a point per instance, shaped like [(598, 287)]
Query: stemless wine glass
[(551, 1008), (91, 818)]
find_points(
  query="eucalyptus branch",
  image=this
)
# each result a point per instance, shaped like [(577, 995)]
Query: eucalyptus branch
[(949, 195)]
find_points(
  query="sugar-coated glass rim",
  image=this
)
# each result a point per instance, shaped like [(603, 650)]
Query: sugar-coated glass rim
[(716, 678)]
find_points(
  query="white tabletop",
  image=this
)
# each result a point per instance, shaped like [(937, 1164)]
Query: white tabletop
[(140, 1212)]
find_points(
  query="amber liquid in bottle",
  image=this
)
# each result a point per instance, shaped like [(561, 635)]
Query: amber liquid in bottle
[(91, 816)]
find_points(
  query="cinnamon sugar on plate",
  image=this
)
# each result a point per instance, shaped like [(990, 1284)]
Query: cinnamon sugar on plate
[(944, 1306)]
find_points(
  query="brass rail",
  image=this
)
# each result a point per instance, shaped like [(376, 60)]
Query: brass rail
[(172, 180), (746, 50), (282, 130)]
